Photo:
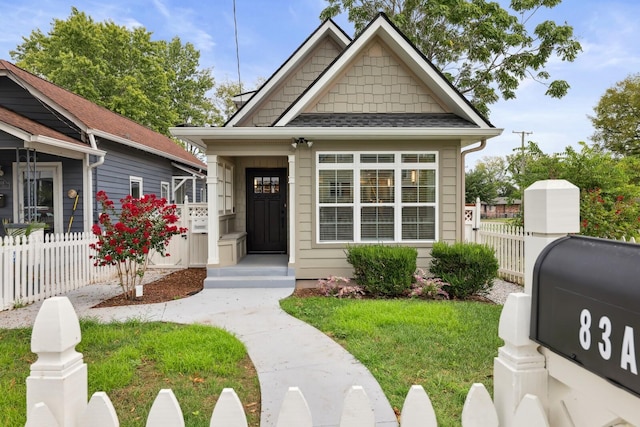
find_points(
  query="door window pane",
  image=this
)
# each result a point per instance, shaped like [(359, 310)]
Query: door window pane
[(38, 197)]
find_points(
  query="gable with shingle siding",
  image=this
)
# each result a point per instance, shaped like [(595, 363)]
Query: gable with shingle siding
[(289, 89), (378, 82)]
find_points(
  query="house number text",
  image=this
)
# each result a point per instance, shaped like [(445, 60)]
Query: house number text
[(603, 331)]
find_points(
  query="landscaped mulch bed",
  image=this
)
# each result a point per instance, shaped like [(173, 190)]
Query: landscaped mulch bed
[(176, 285)]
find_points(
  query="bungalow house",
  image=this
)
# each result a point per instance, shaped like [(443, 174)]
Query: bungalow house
[(500, 207), (348, 142), (58, 149)]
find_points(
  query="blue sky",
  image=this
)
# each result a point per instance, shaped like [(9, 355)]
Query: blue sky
[(270, 30)]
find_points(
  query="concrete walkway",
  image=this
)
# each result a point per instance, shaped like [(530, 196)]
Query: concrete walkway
[(285, 351)]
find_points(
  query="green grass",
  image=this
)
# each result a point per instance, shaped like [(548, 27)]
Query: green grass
[(133, 361), (444, 346)]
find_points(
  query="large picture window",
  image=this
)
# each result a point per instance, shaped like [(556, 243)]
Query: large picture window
[(376, 197)]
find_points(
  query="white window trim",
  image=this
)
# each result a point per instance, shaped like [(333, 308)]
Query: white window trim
[(18, 196), (137, 179), (397, 166), (224, 193), (165, 190)]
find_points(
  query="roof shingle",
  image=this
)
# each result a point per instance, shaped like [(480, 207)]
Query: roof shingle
[(32, 127), (429, 120), (96, 117)]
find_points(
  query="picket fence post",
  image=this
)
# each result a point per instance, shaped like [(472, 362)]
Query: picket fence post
[(294, 410), (228, 411), (551, 211), (519, 368), (58, 377), (99, 412)]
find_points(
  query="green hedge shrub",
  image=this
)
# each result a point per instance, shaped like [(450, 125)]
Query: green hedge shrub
[(469, 268), (383, 270)]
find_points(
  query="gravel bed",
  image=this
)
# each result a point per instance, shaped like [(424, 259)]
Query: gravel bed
[(501, 290)]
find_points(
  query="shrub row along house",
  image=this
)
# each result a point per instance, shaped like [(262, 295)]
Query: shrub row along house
[(58, 149), (348, 142)]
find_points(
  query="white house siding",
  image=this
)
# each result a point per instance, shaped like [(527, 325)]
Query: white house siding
[(289, 90), (314, 260), (377, 82)]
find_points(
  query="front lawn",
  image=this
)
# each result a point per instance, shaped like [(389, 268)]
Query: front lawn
[(133, 361), (445, 346)]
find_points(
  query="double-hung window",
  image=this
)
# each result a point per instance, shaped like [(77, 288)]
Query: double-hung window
[(225, 189), (376, 197)]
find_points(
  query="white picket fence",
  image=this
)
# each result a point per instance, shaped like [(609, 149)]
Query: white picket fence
[(37, 267), (57, 392), (508, 244)]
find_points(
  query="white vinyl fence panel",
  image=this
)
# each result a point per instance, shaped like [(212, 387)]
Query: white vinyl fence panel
[(508, 243), (38, 267)]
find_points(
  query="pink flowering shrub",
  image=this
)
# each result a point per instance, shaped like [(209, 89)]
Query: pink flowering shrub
[(428, 287), (145, 225), (339, 287)]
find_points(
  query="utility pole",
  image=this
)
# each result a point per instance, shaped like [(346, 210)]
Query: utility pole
[(522, 134)]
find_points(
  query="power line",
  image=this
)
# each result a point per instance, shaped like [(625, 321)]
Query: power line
[(235, 26)]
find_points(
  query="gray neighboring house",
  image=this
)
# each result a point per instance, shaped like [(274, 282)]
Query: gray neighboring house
[(348, 142), (58, 149)]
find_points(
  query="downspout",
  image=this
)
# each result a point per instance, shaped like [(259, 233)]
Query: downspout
[(483, 144), (88, 201)]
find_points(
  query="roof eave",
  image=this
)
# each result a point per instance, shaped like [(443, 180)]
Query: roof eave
[(28, 138), (199, 135), (146, 148), (67, 146)]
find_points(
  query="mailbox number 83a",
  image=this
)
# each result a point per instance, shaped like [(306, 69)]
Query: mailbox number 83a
[(605, 346)]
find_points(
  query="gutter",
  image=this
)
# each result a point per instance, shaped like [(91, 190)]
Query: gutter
[(66, 145), (88, 201), (483, 144), (92, 141), (200, 136)]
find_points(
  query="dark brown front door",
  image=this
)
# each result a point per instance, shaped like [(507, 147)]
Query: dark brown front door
[(266, 211)]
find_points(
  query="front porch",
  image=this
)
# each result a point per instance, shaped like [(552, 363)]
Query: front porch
[(251, 205), (253, 271)]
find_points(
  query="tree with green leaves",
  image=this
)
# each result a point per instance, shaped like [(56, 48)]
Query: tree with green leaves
[(617, 118), (607, 183), (489, 179), (478, 184), (156, 83), (482, 48), (223, 100)]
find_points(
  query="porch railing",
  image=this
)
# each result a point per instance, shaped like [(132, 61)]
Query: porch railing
[(37, 267)]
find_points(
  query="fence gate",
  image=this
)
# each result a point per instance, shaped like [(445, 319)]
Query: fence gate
[(188, 249), (472, 222)]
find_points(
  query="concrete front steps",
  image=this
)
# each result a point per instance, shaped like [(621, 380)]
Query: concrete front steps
[(253, 271)]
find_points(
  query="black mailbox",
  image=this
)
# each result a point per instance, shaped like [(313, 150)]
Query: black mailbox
[(586, 306)]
